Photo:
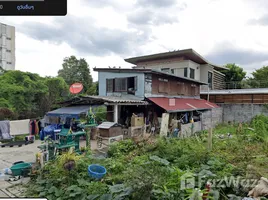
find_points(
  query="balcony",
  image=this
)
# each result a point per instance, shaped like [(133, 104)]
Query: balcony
[(245, 84)]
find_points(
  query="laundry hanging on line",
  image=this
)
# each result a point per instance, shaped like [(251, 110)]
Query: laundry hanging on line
[(5, 130)]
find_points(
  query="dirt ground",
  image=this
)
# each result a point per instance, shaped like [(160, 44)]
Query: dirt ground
[(26, 153)]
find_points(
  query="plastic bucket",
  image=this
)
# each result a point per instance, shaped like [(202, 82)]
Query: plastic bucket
[(20, 169), (96, 171)]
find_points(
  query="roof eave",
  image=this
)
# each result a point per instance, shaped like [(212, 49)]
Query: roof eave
[(135, 60)]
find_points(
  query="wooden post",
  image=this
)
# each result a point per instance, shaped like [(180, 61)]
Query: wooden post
[(210, 139), (144, 130), (88, 130), (164, 124)]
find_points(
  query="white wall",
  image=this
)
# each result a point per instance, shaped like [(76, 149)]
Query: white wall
[(110, 75), (178, 67), (7, 44), (204, 72)]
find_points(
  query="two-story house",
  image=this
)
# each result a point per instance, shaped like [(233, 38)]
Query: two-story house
[(165, 93), (184, 63)]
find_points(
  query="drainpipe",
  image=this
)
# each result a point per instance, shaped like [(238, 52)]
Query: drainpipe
[(208, 94)]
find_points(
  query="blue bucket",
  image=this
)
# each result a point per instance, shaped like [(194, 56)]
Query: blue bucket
[(96, 171)]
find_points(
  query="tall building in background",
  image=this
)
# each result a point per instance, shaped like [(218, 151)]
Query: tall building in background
[(7, 47)]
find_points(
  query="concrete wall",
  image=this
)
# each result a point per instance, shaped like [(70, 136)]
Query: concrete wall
[(242, 112), (110, 75), (212, 118), (188, 130)]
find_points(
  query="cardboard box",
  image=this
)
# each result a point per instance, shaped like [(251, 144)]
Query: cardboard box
[(137, 121)]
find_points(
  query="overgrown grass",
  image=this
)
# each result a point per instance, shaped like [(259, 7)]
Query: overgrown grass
[(156, 168)]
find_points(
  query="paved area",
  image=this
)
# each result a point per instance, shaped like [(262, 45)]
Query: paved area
[(2, 194), (26, 153)]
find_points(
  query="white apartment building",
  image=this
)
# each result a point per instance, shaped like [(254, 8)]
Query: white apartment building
[(7, 47)]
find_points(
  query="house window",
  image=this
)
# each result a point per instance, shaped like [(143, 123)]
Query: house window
[(109, 85), (132, 85), (163, 85), (192, 73), (120, 85), (9, 63), (9, 51), (172, 71), (8, 38), (210, 79), (185, 72), (180, 88), (166, 70)]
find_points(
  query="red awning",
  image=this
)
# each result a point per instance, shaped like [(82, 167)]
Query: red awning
[(181, 105)]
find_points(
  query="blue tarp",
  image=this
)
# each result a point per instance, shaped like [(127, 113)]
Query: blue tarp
[(49, 131), (71, 112)]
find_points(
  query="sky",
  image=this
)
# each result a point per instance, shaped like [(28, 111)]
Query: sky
[(105, 32)]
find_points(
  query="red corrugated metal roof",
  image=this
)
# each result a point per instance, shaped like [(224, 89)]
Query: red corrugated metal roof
[(180, 104)]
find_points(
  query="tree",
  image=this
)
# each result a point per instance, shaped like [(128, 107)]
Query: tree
[(234, 76), (259, 78), (21, 92), (28, 95), (75, 70), (57, 92), (93, 90)]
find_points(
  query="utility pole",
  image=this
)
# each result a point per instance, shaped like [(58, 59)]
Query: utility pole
[(210, 139)]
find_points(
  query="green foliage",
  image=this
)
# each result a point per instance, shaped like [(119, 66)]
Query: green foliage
[(124, 147), (261, 74), (6, 114), (23, 92), (158, 169), (100, 113), (93, 90), (57, 91), (234, 74), (260, 128), (28, 95), (75, 70), (4, 103)]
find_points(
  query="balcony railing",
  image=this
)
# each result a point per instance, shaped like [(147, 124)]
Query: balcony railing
[(246, 84)]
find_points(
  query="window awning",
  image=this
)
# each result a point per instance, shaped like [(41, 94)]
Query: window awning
[(173, 105), (72, 112)]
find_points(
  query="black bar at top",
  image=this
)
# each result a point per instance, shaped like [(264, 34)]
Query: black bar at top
[(33, 8)]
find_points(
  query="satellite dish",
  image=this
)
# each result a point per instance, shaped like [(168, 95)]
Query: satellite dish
[(76, 88)]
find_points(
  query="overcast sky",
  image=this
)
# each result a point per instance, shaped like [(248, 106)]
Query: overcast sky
[(104, 32)]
